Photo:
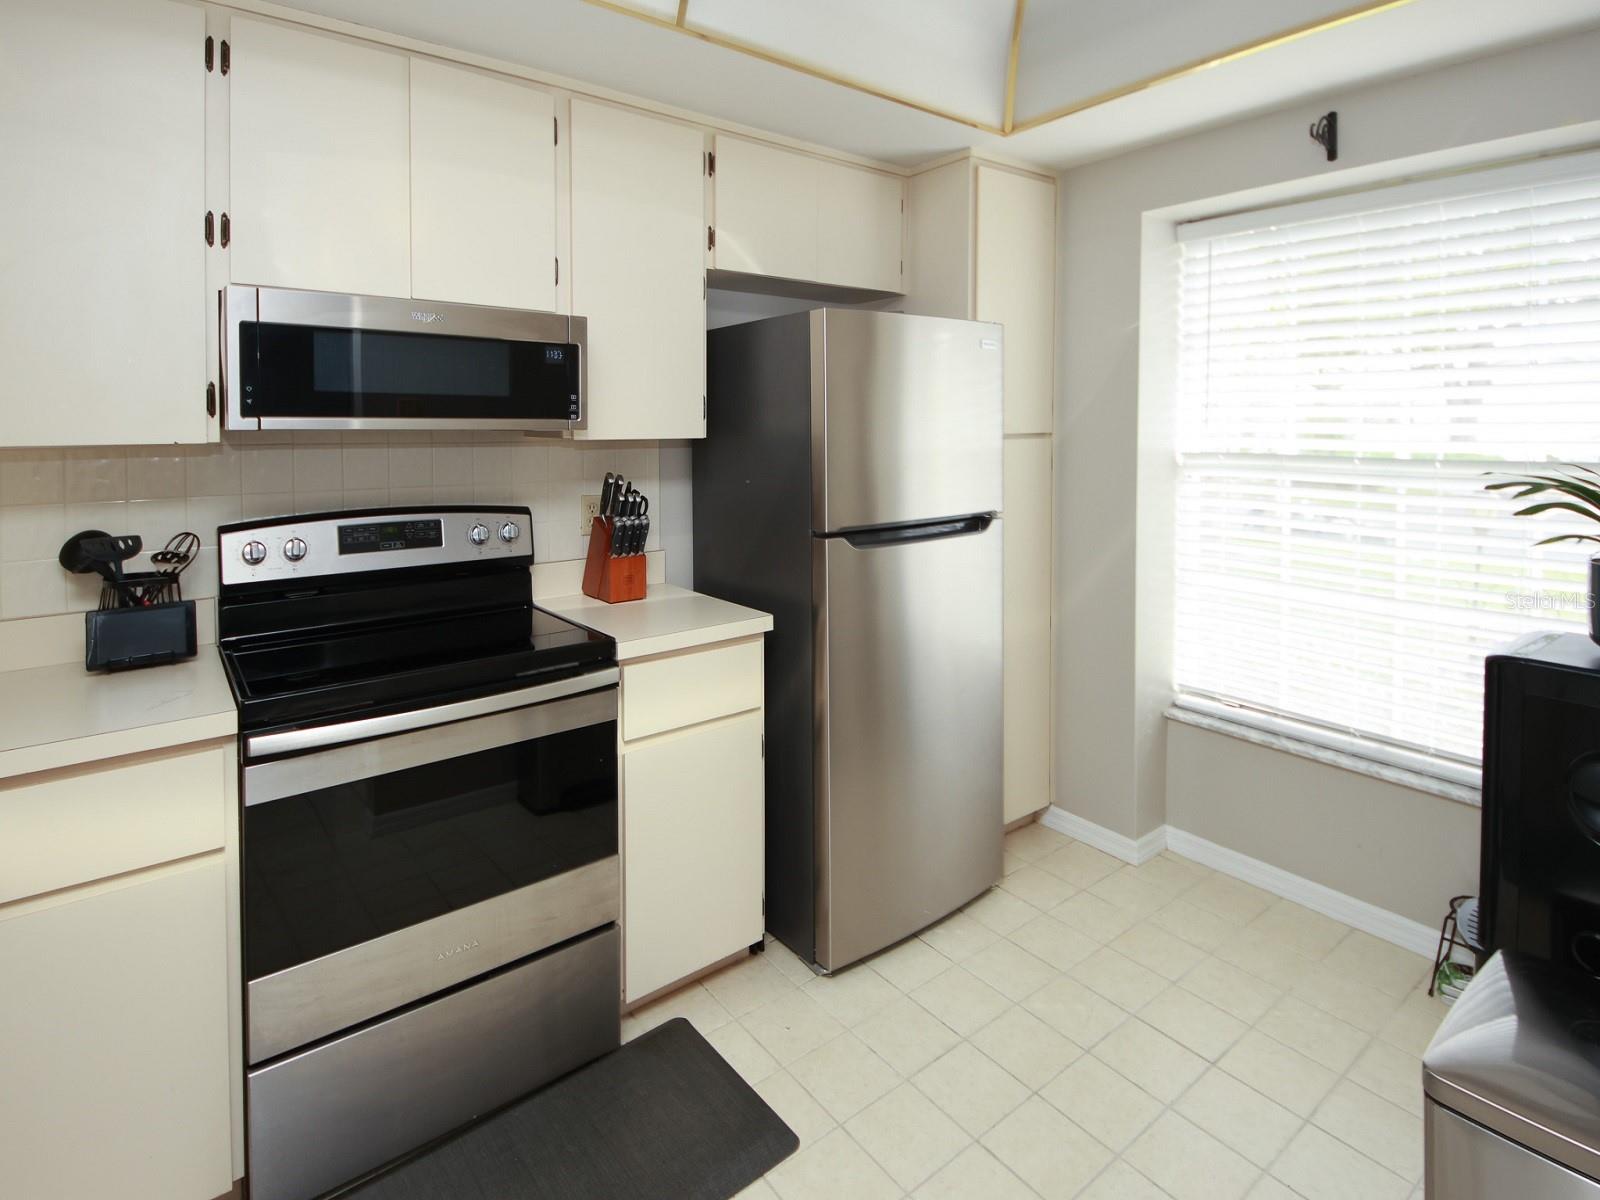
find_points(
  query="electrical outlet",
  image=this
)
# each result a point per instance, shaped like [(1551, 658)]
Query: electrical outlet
[(588, 510)]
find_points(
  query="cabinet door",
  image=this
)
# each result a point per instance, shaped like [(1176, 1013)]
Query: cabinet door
[(859, 215), (483, 189), (319, 162), (638, 271), (692, 851), (102, 280), (766, 210), (1016, 287), (1027, 655), (114, 1019)]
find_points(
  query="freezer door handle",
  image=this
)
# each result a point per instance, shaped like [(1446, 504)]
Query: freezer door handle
[(922, 531)]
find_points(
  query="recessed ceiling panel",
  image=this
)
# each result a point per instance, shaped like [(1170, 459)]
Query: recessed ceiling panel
[(949, 55), (1079, 50)]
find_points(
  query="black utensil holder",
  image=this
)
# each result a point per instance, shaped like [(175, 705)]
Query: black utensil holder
[(120, 639)]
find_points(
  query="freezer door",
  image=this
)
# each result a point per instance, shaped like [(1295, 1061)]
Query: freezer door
[(908, 766), (905, 418)]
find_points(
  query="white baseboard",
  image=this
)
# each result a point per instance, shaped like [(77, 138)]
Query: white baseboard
[(1117, 845), (1358, 914)]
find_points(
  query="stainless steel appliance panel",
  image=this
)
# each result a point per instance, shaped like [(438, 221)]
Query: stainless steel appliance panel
[(905, 418), (908, 766), (1468, 1162), (321, 997), (1516, 1054), (343, 1108), (332, 310)]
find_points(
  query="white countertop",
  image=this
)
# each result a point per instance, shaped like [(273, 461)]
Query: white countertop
[(668, 618), (62, 715)]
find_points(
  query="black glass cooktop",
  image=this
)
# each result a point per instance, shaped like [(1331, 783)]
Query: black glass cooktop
[(291, 677)]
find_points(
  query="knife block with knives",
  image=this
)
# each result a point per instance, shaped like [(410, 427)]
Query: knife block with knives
[(615, 570)]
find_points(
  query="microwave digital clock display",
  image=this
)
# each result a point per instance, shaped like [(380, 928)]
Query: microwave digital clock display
[(390, 535)]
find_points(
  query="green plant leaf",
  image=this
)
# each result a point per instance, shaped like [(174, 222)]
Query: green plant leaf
[(1573, 487), (1568, 537), (1534, 510)]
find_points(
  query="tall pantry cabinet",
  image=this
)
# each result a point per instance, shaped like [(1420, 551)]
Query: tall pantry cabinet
[(981, 245)]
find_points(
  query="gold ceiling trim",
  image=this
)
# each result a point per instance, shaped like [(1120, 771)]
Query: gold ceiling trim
[(1011, 68), (1246, 50), (1011, 126), (794, 64)]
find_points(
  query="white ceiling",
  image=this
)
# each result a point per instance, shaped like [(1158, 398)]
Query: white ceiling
[(952, 56)]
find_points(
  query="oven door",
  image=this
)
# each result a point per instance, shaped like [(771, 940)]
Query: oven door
[(377, 872), (319, 360)]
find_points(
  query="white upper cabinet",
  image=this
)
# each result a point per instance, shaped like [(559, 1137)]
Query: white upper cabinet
[(483, 188), (103, 311), (319, 155), (638, 270), (788, 215), (859, 218), (1016, 287), (766, 210)]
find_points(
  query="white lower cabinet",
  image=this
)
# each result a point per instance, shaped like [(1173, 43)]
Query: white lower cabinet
[(693, 839), (114, 1023), (119, 1002)]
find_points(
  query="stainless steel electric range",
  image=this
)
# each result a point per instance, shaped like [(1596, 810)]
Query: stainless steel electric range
[(428, 837)]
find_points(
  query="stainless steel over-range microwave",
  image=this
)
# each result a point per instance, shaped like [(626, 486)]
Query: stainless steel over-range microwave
[(320, 360)]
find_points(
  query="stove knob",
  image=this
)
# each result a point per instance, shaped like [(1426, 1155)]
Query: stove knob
[(254, 553), (478, 534), (294, 549), (510, 532)]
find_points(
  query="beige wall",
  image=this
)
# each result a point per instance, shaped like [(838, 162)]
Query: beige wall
[(1403, 850), (1120, 763)]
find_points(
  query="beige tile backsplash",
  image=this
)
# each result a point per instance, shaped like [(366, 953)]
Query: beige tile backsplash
[(155, 492)]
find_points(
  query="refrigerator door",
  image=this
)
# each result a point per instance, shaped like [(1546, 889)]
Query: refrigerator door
[(905, 418), (908, 767)]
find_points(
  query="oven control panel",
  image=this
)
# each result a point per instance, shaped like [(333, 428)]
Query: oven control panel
[(372, 540), (377, 536)]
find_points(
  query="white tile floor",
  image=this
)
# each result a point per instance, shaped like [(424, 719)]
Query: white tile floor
[(1088, 1029)]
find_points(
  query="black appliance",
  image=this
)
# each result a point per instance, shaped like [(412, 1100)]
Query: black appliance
[(1540, 881), (428, 833)]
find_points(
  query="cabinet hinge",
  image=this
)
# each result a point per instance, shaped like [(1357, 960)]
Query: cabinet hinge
[(211, 49), (211, 229), (226, 57), (211, 399), (711, 238), (711, 163), (227, 227)]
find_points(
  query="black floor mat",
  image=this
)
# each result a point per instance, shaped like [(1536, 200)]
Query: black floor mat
[(663, 1118)]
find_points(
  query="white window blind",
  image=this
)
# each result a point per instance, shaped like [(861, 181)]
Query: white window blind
[(1349, 370)]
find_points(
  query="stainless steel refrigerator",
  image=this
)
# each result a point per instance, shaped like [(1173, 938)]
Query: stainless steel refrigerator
[(851, 486)]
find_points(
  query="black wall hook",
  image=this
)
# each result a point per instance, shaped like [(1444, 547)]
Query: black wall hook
[(1326, 134)]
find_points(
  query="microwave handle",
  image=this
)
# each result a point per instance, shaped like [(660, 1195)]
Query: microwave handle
[(291, 740)]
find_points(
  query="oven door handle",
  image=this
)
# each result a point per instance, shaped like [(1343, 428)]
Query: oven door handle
[(263, 744)]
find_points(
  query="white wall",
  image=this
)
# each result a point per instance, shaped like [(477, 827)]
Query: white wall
[(1118, 764)]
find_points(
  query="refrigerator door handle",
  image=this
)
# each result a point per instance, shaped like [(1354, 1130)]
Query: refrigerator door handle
[(922, 531)]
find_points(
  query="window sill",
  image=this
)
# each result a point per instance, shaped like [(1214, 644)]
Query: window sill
[(1344, 760)]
